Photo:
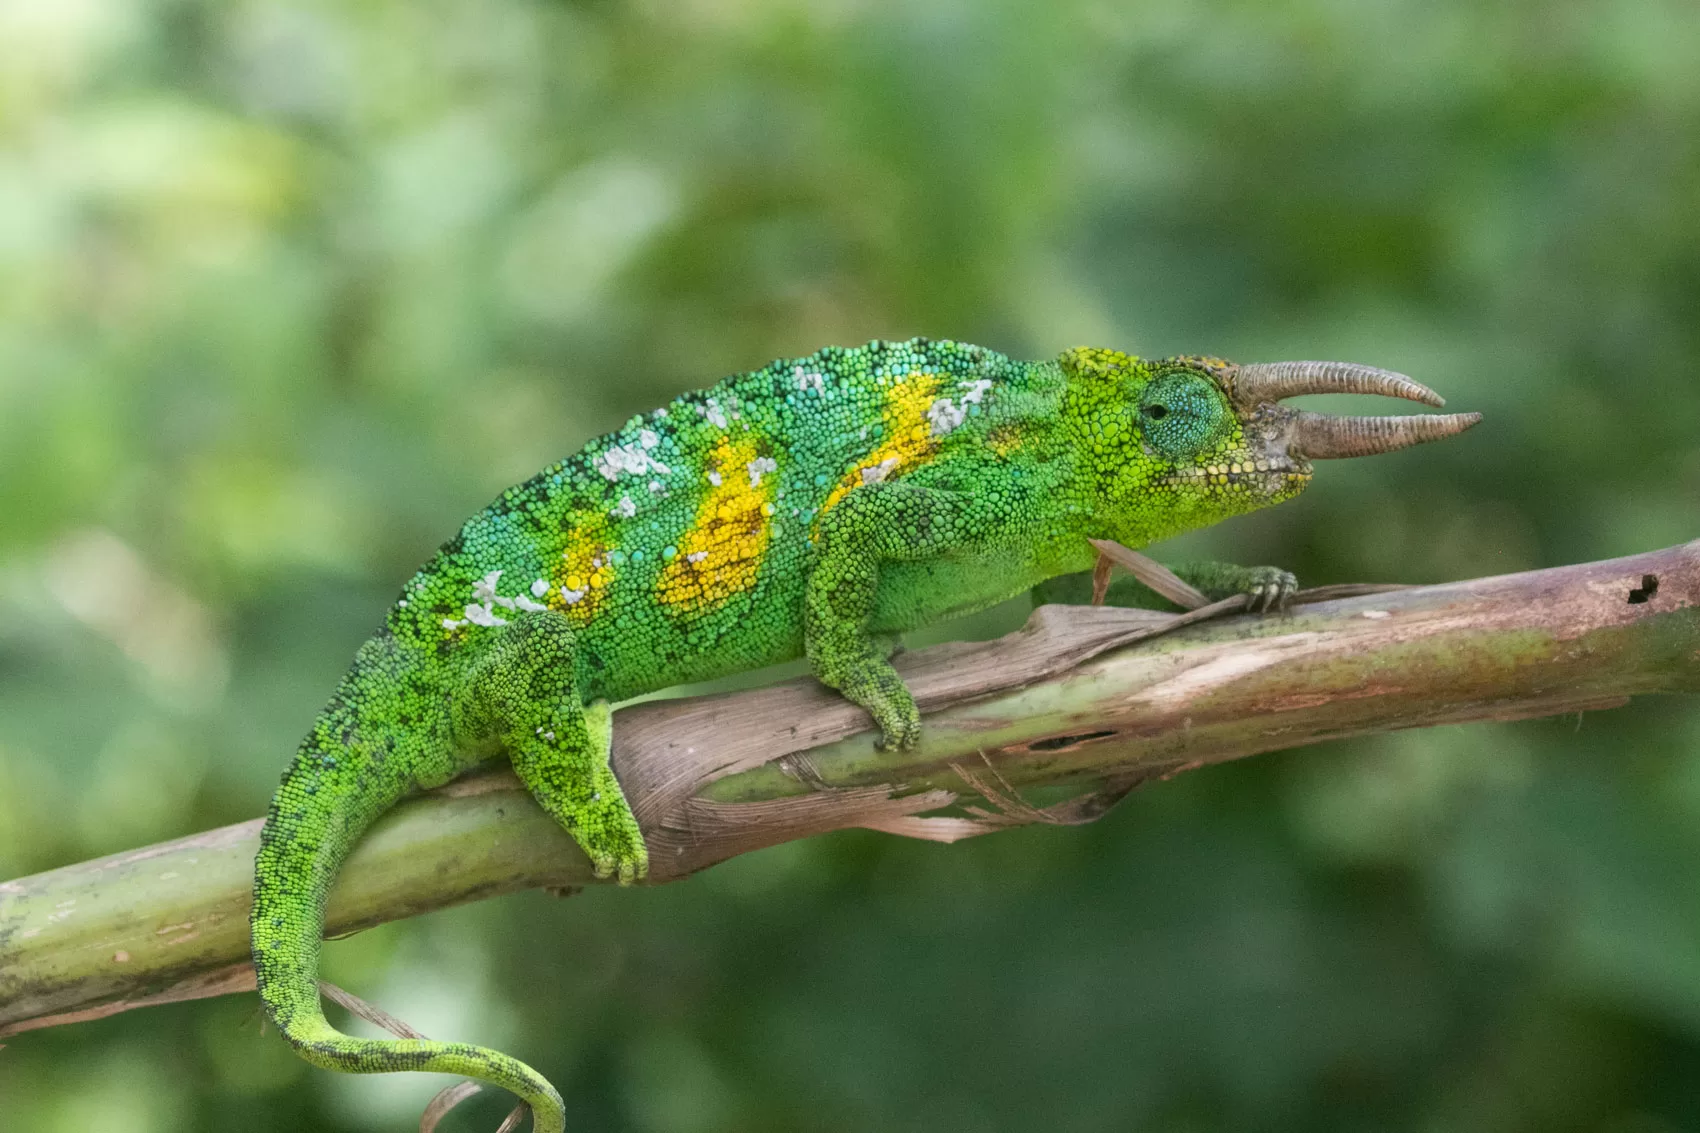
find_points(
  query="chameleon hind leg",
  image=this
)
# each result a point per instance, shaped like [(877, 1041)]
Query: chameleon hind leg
[(357, 762), (523, 692), (874, 524)]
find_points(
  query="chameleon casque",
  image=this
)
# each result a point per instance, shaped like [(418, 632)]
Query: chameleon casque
[(810, 508)]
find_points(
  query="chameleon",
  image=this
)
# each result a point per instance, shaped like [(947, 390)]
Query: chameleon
[(816, 507)]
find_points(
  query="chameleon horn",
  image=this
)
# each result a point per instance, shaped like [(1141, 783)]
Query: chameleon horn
[(1262, 382), (1318, 436)]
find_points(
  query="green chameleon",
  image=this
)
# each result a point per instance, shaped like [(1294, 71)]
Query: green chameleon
[(814, 507)]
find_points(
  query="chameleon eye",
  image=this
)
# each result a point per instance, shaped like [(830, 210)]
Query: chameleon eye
[(1181, 414)]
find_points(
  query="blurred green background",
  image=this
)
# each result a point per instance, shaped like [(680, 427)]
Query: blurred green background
[(288, 289)]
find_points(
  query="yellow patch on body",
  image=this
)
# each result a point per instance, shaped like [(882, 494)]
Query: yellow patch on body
[(721, 554), (581, 579), (908, 440)]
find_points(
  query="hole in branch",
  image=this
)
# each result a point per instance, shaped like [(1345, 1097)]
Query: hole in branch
[(1649, 587), (1057, 743)]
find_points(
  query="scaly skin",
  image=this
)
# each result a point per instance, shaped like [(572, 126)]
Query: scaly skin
[(808, 508)]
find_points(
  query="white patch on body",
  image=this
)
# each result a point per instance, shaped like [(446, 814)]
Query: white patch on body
[(483, 616), (808, 381), (625, 460), (625, 508), (714, 478), (481, 611), (945, 416), (880, 471), (760, 467)]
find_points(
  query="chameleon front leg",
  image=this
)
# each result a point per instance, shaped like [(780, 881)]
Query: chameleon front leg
[(1269, 587), (874, 524), (524, 693)]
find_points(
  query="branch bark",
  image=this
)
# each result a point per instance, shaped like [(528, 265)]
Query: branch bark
[(1057, 702)]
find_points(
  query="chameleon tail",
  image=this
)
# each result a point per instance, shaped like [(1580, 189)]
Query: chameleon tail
[(334, 789)]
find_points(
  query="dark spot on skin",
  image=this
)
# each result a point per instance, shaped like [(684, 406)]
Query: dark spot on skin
[(1057, 743), (1649, 587)]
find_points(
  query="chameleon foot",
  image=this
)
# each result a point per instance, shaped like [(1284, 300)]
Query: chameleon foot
[(1270, 588)]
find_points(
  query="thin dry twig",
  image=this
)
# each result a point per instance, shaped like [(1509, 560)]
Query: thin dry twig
[(445, 1100), (1152, 573), (449, 1097), (1101, 579), (370, 1012)]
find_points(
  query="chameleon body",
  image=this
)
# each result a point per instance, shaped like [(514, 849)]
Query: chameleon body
[(810, 508)]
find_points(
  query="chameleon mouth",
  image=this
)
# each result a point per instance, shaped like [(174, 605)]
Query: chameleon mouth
[(1269, 475)]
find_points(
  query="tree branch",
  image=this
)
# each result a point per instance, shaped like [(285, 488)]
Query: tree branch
[(717, 776)]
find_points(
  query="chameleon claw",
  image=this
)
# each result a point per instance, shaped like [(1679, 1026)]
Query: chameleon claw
[(1271, 589), (626, 869), (901, 736)]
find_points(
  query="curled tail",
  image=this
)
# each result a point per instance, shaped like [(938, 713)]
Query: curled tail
[(340, 781)]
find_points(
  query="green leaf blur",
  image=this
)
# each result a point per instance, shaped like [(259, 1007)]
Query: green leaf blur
[(289, 289)]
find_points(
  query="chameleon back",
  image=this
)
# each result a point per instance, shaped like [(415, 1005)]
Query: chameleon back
[(677, 544)]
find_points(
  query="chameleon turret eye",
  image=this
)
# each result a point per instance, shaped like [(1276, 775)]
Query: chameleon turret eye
[(1181, 414)]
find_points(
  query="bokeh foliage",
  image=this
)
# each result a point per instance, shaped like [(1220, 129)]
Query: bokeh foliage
[(288, 289)]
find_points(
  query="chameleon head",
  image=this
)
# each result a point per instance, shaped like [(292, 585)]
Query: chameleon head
[(1195, 440)]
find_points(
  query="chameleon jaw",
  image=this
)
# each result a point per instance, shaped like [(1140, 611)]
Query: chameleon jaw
[(1264, 470)]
